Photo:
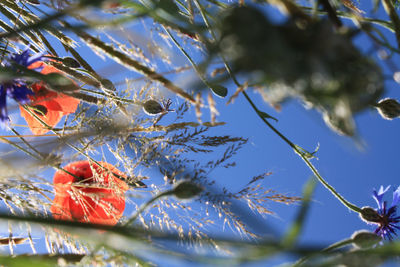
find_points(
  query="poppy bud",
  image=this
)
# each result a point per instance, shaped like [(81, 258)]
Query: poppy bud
[(152, 107), (71, 62), (388, 108), (365, 239), (108, 85), (369, 215), (187, 189)]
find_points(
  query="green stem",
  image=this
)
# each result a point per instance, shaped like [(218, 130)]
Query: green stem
[(37, 157), (198, 71), (116, 98), (284, 138), (147, 204), (25, 142), (391, 11), (305, 159), (67, 143)]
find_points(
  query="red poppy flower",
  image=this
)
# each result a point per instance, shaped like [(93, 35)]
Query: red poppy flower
[(48, 105), (93, 195)]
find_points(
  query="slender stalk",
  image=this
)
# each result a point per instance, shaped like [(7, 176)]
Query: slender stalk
[(25, 142), (147, 204), (198, 71), (69, 144), (284, 138), (305, 159), (20, 148), (391, 11), (38, 157)]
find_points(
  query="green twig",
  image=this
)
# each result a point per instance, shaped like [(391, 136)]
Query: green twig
[(296, 148), (391, 11), (305, 159), (148, 203)]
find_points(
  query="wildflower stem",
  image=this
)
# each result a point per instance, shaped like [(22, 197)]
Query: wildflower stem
[(39, 156), (198, 71), (69, 144), (130, 63), (391, 11), (296, 148), (304, 158), (148, 203), (20, 148), (25, 142), (117, 98)]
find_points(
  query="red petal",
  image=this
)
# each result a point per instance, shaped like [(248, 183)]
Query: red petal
[(37, 128), (78, 168), (57, 104), (100, 200), (59, 208), (68, 104)]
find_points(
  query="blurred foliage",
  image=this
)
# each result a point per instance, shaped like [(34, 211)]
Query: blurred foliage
[(143, 124), (312, 61)]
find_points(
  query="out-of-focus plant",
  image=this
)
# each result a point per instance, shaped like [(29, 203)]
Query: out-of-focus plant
[(307, 59)]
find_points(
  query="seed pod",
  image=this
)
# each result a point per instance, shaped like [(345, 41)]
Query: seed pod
[(70, 62), (187, 189), (365, 239), (152, 107), (369, 215), (108, 85), (388, 108)]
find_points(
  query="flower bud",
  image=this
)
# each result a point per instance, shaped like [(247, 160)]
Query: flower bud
[(187, 189), (108, 85), (388, 108), (152, 107), (365, 239), (70, 62), (369, 215)]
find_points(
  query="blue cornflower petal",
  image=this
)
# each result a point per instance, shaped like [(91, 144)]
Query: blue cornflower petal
[(20, 58), (3, 105), (386, 218), (36, 57), (25, 59), (378, 196), (20, 94), (16, 88), (396, 197)]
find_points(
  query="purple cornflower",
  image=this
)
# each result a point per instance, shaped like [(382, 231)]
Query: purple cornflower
[(387, 218), (16, 88)]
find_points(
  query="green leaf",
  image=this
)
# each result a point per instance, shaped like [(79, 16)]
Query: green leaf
[(305, 153), (265, 115)]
